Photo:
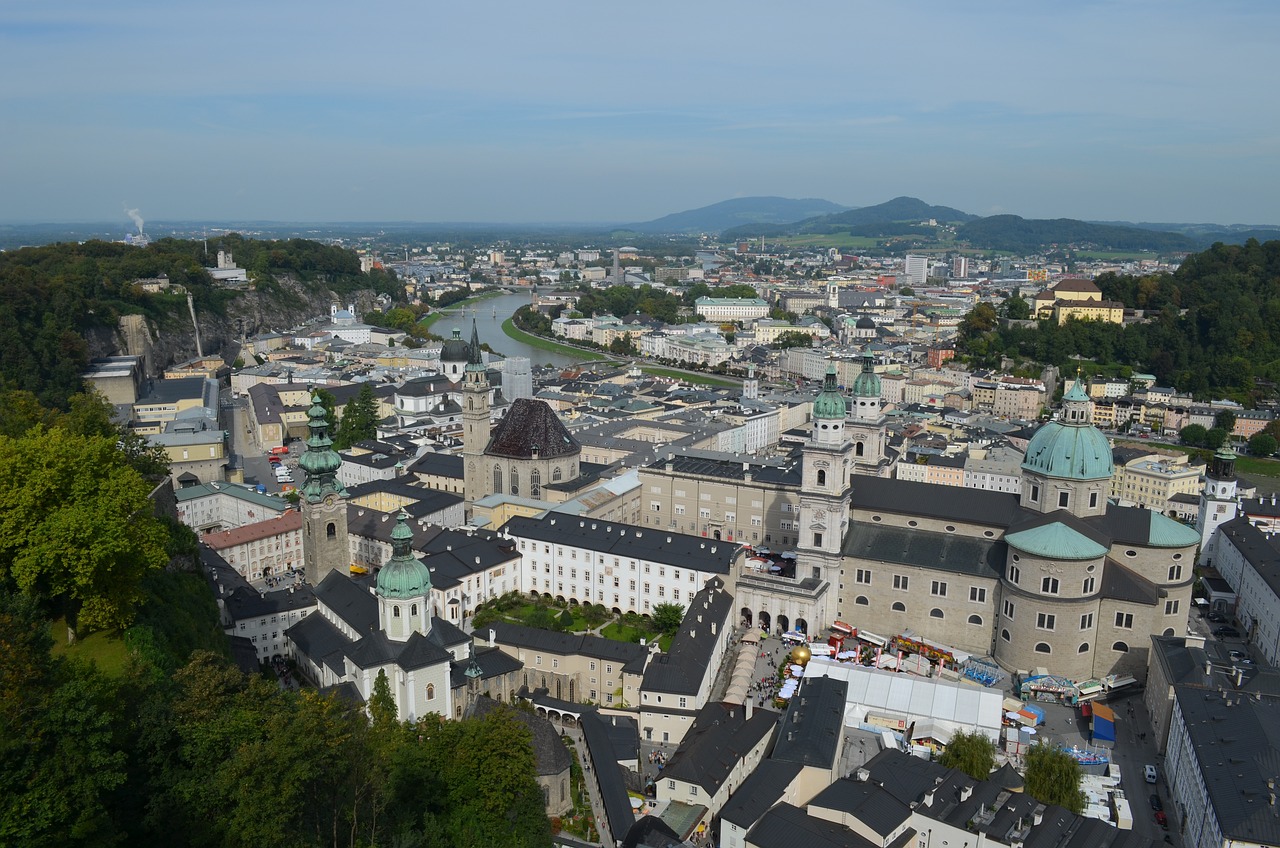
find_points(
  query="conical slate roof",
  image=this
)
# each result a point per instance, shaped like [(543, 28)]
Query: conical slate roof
[(455, 349), (531, 427), (404, 576)]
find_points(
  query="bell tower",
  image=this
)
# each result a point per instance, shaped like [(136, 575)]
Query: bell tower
[(826, 467), (323, 501), (476, 481), (1217, 500)]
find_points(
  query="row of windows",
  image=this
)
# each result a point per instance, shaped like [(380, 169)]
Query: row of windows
[(937, 588), (1045, 648), (1064, 498), (1048, 621), (899, 606)]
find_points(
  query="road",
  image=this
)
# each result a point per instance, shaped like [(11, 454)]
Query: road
[(257, 468)]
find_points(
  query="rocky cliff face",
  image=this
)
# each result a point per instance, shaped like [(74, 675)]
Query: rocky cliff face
[(250, 313)]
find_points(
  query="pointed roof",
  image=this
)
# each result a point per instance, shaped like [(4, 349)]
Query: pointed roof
[(474, 360), (829, 404), (530, 427), (404, 575), (320, 462)]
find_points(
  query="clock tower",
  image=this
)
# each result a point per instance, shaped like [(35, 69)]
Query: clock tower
[(323, 501), (475, 424)]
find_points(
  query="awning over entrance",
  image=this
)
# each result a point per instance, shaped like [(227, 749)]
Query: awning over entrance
[(842, 627)]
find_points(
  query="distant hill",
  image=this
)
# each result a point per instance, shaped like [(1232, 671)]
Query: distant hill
[(905, 210), (739, 211), (1025, 235)]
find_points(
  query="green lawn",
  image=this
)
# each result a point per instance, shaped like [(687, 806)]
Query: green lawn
[(1257, 465), (540, 343), (704, 379), (107, 650), (619, 632)]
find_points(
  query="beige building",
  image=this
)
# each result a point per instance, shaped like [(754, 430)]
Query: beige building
[(263, 549), (574, 667), (1152, 480)]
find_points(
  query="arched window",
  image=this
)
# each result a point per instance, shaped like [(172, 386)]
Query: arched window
[(1120, 648), (332, 530), (497, 479), (515, 482), (1083, 649), (395, 611), (899, 606), (535, 483), (1168, 631), (1004, 634), (1043, 648), (555, 474), (975, 619), (431, 691), (862, 601), (935, 613), (822, 477), (859, 449), (413, 610)]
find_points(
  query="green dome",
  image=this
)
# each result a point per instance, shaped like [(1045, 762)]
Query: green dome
[(320, 462), (867, 384), (829, 404), (1070, 447), (404, 576), (1055, 541)]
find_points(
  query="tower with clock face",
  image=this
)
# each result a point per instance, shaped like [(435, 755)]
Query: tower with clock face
[(323, 502)]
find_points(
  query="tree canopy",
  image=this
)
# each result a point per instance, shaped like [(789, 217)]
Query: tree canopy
[(359, 419), (972, 753), (1211, 328), (1053, 777)]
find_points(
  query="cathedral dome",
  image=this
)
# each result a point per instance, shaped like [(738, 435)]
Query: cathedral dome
[(829, 404), (867, 384), (1070, 447), (455, 349), (404, 576)]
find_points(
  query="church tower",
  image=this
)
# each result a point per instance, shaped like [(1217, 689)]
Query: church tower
[(403, 588), (826, 467), (1217, 501), (324, 501), (475, 423), (751, 385), (867, 427)]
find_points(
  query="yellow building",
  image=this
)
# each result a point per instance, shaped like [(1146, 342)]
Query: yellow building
[(1077, 298)]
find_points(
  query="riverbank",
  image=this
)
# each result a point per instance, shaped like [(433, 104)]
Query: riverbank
[(431, 319), (539, 342), (509, 327)]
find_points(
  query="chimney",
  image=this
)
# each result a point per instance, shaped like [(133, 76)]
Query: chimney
[(966, 792), (928, 798), (751, 708)]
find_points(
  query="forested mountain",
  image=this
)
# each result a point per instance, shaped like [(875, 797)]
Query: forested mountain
[(57, 295), (901, 209), (738, 211), (1028, 235), (1212, 328)]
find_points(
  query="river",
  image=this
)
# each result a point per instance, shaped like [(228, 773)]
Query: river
[(489, 314)]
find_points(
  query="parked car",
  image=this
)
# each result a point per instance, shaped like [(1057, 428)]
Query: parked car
[(1240, 657), (1216, 618), (1149, 772), (1226, 633), (1162, 819), (1156, 803)]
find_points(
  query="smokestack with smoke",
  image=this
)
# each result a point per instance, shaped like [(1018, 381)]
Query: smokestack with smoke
[(137, 219)]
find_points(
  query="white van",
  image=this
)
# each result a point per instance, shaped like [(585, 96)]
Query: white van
[(1149, 771)]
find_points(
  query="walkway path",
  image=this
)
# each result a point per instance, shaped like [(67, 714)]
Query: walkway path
[(589, 781)]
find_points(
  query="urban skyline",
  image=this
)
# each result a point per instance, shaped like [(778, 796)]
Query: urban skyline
[(1137, 111)]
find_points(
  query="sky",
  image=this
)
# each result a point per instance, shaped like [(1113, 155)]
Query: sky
[(494, 111)]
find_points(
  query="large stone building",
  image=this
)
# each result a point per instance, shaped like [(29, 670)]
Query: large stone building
[(529, 448)]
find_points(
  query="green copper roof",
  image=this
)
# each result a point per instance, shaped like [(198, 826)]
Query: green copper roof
[(1056, 541), (829, 404), (867, 384), (404, 576), (1069, 452), (320, 462), (1167, 533), (1077, 391)]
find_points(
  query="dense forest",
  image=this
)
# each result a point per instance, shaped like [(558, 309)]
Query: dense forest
[(57, 293), (1029, 235), (158, 739), (1212, 327)]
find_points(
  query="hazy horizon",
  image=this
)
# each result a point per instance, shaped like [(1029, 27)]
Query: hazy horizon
[(577, 114)]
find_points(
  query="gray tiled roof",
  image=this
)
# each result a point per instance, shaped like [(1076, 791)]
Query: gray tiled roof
[(320, 641), (721, 735), (631, 656), (813, 724), (759, 792), (786, 826), (681, 670), (930, 500), (1123, 584), (677, 549), (911, 546), (348, 600), (865, 801)]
